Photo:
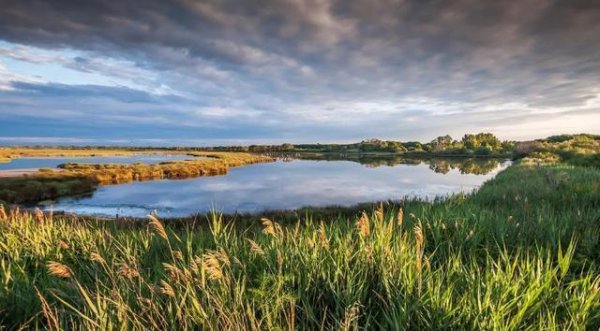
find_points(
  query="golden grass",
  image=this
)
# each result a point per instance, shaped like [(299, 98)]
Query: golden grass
[(83, 178), (15, 152), (207, 164)]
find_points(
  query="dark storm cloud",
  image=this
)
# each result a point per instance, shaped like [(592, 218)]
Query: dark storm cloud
[(293, 59)]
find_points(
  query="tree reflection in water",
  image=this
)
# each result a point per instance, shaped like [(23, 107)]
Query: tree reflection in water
[(475, 166)]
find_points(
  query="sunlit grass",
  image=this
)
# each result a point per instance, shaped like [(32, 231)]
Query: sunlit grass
[(83, 178), (522, 253)]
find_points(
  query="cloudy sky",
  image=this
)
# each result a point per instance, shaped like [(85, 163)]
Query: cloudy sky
[(204, 72)]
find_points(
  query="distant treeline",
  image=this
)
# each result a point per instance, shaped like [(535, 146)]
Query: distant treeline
[(469, 144), (480, 144)]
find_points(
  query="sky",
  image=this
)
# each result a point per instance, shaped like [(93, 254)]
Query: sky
[(226, 72)]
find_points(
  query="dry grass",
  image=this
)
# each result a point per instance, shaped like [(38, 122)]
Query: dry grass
[(80, 178)]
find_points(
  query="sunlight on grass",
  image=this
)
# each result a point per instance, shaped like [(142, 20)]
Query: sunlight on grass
[(499, 259)]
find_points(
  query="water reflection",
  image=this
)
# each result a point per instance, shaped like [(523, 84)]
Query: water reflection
[(286, 184), (477, 166), (53, 162)]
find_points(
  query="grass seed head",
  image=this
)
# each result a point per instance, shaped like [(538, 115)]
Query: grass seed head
[(3, 215), (400, 219), (39, 215), (157, 227), (211, 262), (323, 237), (177, 254), (167, 289), (380, 213), (59, 270), (97, 258), (270, 227), (128, 271), (363, 225), (62, 245), (255, 248)]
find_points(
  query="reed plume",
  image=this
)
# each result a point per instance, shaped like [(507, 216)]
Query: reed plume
[(363, 225), (48, 312), (379, 213), (39, 215), (351, 315), (3, 215), (157, 227), (255, 248), (213, 262), (128, 271), (177, 254), (62, 245), (59, 270), (400, 219), (174, 273), (323, 237), (167, 289), (97, 258), (419, 244), (270, 227)]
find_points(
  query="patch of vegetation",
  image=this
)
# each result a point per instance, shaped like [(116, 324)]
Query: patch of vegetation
[(580, 149), (45, 186), (210, 164), (521, 253), (45, 151), (82, 178)]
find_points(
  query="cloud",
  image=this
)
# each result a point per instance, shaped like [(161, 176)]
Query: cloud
[(309, 70)]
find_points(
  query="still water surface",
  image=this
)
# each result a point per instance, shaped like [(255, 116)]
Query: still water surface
[(53, 162), (285, 185)]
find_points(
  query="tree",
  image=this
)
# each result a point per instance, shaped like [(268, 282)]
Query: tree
[(441, 143)]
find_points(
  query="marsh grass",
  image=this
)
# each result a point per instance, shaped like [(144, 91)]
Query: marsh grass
[(522, 253), (82, 178)]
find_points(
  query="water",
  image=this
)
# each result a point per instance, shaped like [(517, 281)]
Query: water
[(53, 162), (285, 185)]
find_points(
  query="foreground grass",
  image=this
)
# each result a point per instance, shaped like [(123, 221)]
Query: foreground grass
[(522, 253)]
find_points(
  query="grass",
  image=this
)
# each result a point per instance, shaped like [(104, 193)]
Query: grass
[(46, 185), (7, 153), (207, 164), (521, 253), (81, 178)]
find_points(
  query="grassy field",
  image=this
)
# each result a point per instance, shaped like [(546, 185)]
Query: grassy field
[(521, 253)]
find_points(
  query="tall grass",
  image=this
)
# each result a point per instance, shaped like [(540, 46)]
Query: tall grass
[(504, 258)]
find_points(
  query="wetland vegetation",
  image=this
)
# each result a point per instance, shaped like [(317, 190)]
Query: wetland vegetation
[(519, 253), (79, 178)]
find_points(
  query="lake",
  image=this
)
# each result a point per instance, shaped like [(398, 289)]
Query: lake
[(288, 185), (53, 162)]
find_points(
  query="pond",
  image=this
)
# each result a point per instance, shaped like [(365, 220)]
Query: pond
[(53, 162), (287, 185)]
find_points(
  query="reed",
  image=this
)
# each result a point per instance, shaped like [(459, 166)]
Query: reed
[(74, 179), (521, 253)]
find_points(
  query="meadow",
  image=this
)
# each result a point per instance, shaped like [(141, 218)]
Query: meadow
[(520, 253)]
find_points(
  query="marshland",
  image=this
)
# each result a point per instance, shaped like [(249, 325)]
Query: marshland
[(518, 250)]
